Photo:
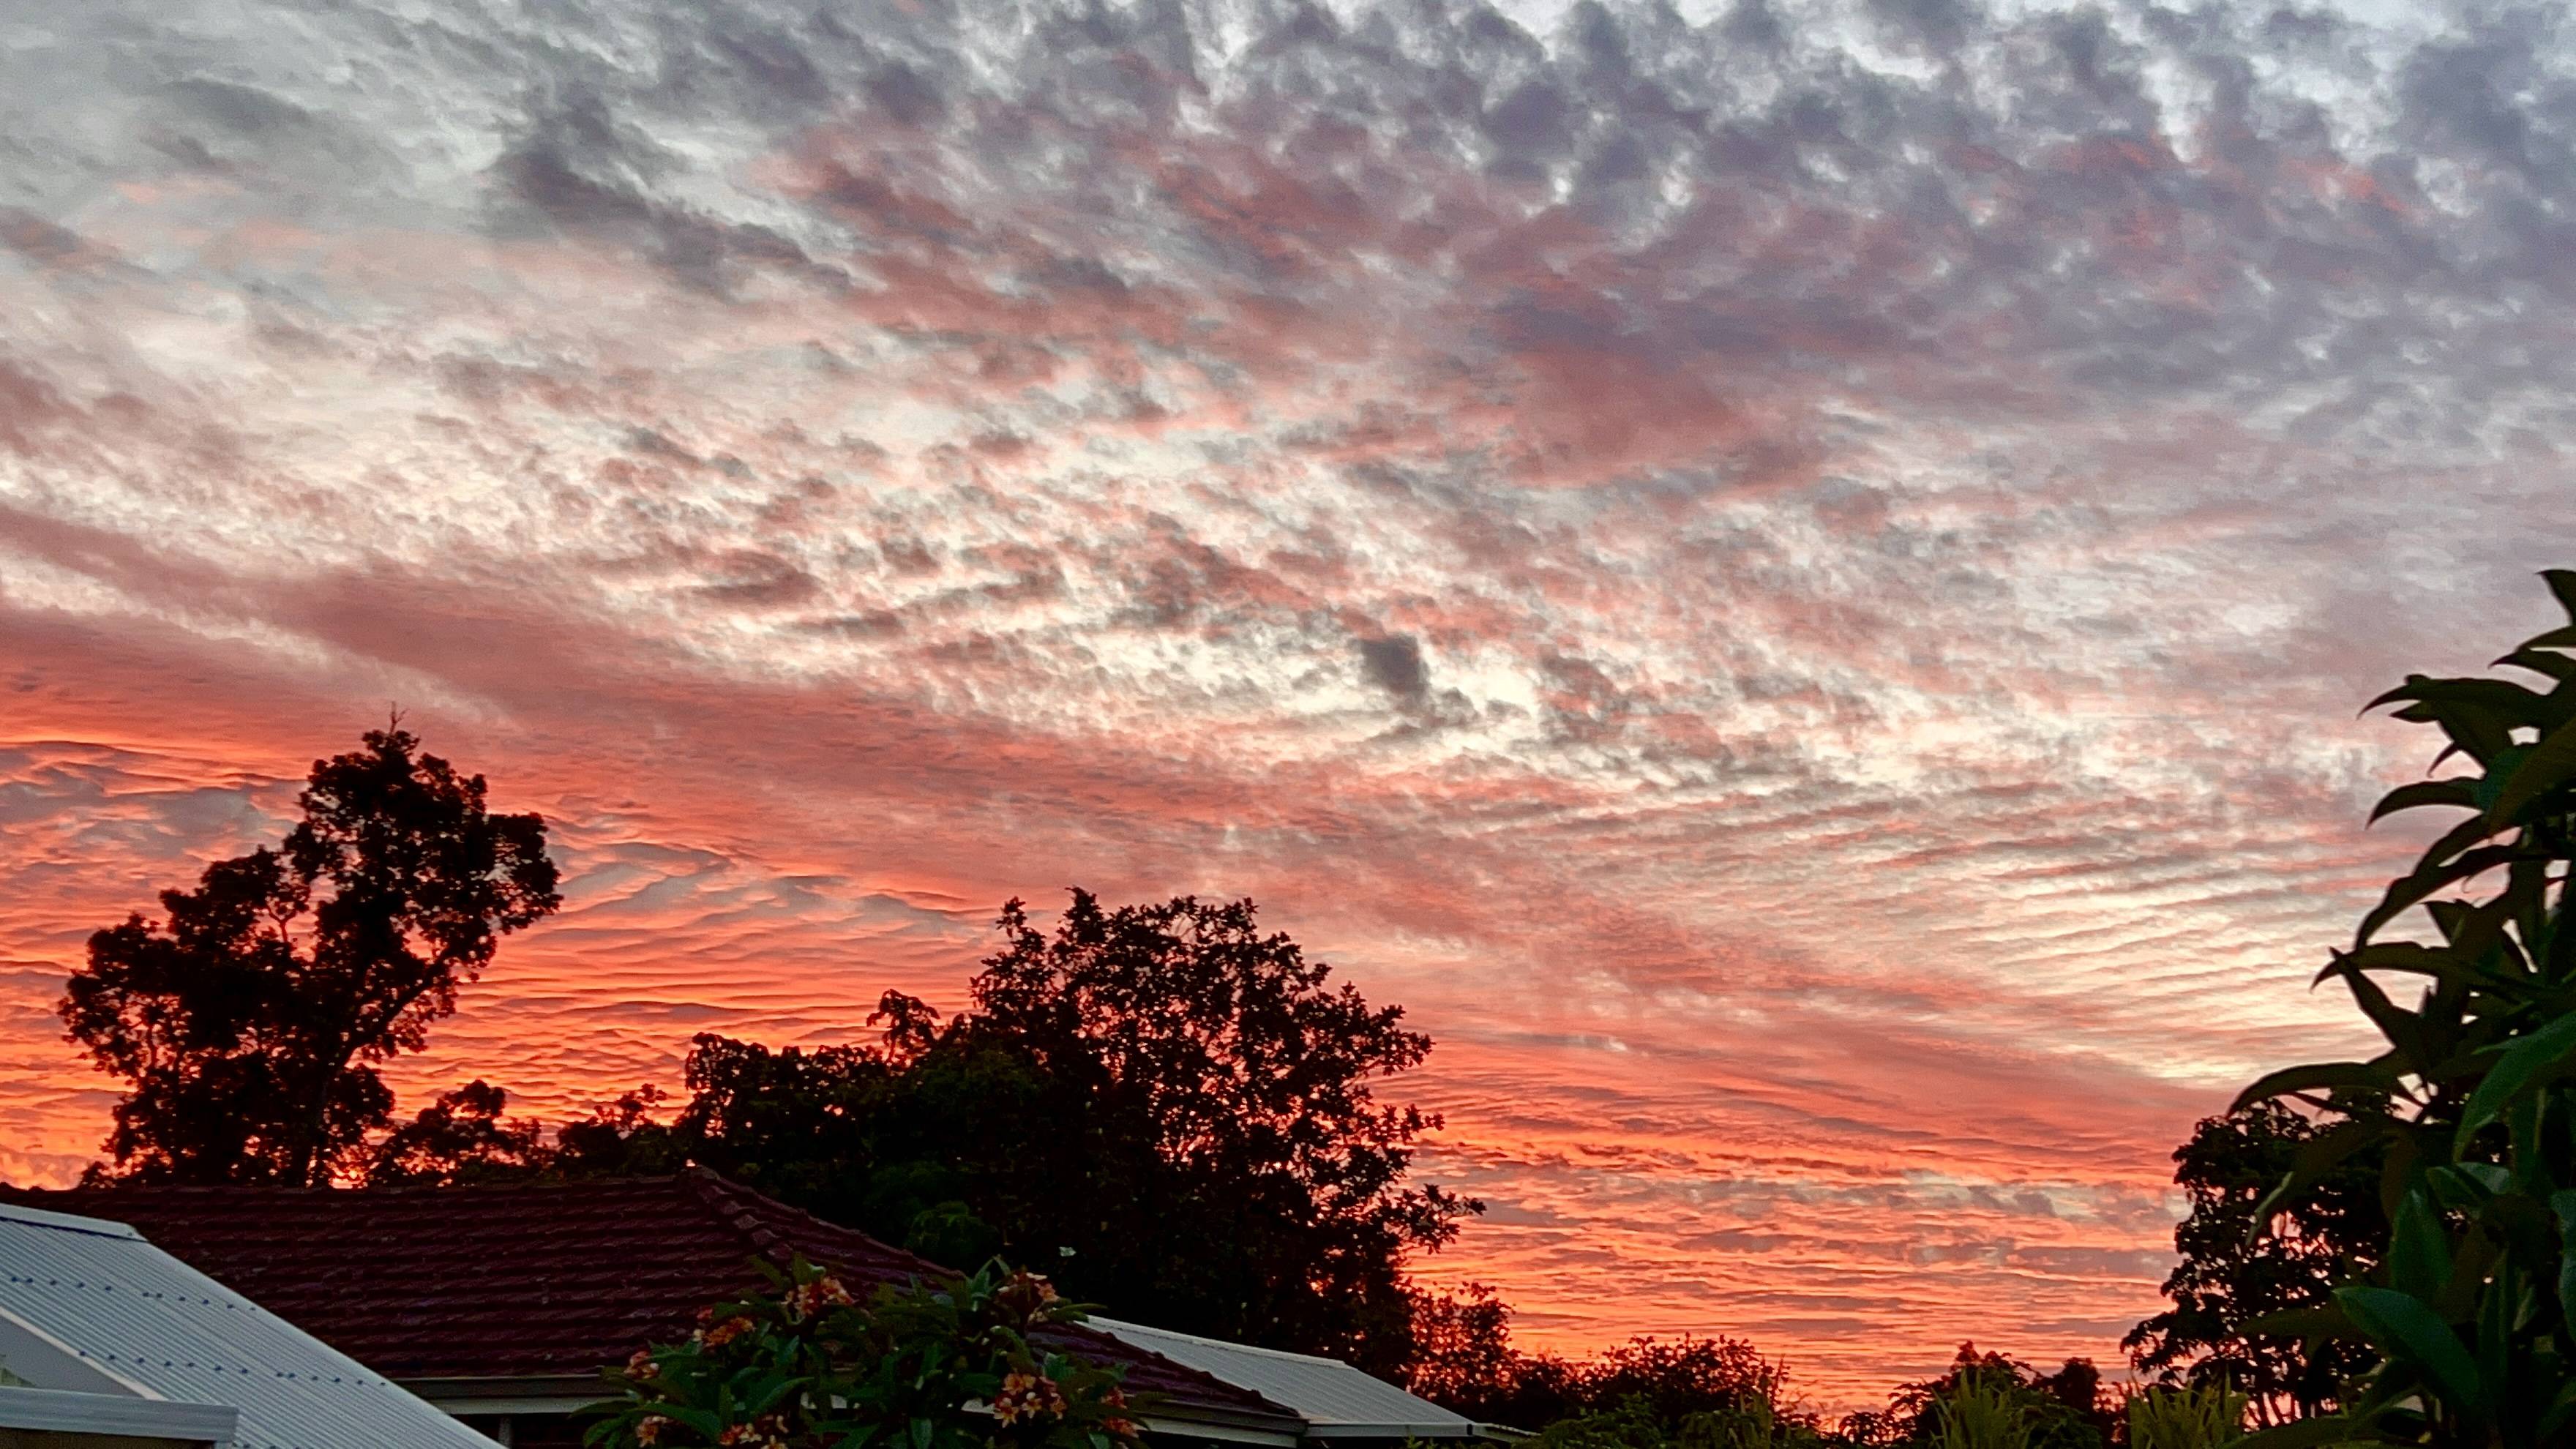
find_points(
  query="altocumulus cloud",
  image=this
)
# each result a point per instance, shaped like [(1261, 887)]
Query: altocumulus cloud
[(1793, 578)]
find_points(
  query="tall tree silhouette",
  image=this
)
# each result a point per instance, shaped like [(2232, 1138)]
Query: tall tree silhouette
[(251, 1021)]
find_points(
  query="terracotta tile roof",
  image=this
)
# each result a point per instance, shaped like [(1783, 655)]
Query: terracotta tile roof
[(527, 1280)]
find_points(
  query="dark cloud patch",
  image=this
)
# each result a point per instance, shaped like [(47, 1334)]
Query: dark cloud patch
[(581, 165), (908, 96), (39, 240), (757, 580), (1394, 663), (1938, 25), (247, 110)]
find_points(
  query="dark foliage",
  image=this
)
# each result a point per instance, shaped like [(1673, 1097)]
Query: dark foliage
[(1689, 1393), (1647, 1393), (462, 1137), (1678, 1377), (624, 1138), (1463, 1356), (1124, 1093), (251, 1021), (2472, 1308), (959, 1363), (2229, 1277), (2065, 1410)]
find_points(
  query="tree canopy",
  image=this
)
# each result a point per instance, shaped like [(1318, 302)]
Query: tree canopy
[(2230, 1279), (1121, 1094), (250, 1022)]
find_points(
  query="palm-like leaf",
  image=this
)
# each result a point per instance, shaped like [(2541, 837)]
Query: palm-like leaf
[(2475, 1308)]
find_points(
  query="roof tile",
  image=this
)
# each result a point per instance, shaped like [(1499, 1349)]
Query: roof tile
[(525, 1280)]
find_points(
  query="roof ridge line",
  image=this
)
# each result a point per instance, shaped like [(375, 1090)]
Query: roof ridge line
[(1114, 1324)]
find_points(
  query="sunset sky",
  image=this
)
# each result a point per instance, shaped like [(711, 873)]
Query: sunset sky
[(1794, 580)]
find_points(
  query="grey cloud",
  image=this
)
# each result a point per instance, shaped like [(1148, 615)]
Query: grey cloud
[(2035, 211), (240, 108), (1394, 664)]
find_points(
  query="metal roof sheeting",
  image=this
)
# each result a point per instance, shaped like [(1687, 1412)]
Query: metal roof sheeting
[(1336, 1400), (99, 1292)]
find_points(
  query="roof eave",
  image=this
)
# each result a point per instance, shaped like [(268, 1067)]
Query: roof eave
[(1457, 1430), (569, 1393), (68, 1411), (1273, 1434)]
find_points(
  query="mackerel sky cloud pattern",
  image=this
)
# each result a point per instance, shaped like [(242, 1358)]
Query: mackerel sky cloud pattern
[(1793, 579)]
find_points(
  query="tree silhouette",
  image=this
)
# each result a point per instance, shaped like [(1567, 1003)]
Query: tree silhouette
[(461, 1137), (1226, 1086), (250, 1023), (1168, 1108), (2230, 1279)]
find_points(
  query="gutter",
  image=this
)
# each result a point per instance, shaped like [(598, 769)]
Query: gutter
[(69, 1411), (570, 1393)]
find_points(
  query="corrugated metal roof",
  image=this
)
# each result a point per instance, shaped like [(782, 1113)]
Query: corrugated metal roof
[(163, 1330), (1335, 1399)]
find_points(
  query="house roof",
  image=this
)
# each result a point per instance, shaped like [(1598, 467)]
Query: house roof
[(541, 1280), (1335, 1399), (91, 1307)]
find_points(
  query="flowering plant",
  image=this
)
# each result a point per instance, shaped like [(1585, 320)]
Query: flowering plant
[(955, 1364)]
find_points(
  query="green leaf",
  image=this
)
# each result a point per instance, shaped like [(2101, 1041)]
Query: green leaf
[(2419, 1250), (2513, 1071), (2443, 963), (2562, 582), (2491, 784), (2414, 889), (2563, 1206), (2495, 1338), (2315, 1158), (705, 1421), (2310, 1078), (2479, 1250), (2506, 702), (2550, 764), (2473, 729), (2467, 1186), (2457, 791), (2407, 1330), (2561, 1413), (2540, 661), (2399, 1025)]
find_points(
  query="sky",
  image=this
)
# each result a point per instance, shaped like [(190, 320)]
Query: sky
[(1794, 580)]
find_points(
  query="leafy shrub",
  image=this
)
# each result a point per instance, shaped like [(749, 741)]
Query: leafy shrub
[(1647, 1393), (2164, 1417), (1632, 1423), (1981, 1411), (956, 1364), (1993, 1398)]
